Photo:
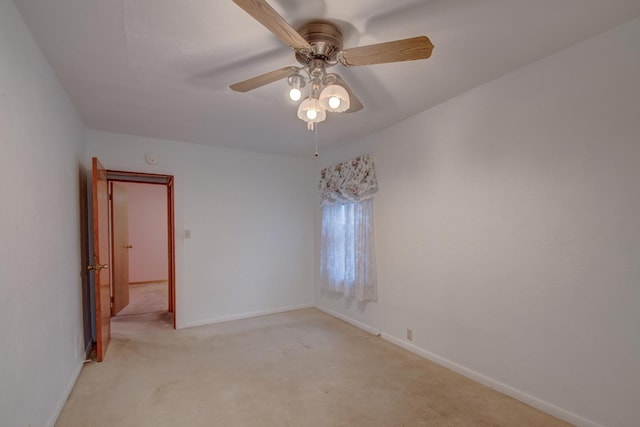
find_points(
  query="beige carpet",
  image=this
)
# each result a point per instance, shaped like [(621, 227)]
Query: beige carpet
[(147, 298), (301, 368)]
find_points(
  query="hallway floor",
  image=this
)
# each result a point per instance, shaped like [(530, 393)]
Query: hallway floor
[(147, 298), (146, 313)]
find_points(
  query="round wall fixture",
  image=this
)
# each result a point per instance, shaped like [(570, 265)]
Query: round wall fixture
[(151, 158)]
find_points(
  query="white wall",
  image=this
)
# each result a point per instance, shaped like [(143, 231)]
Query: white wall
[(41, 153), (508, 232), (147, 209), (250, 216)]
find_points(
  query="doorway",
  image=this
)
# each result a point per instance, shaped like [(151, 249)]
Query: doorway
[(104, 292), (142, 247)]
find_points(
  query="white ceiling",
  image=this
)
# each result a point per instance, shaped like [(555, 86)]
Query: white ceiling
[(161, 68)]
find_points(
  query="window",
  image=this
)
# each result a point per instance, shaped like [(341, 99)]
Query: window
[(347, 255)]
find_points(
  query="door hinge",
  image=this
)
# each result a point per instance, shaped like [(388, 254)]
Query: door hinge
[(111, 300), (110, 196)]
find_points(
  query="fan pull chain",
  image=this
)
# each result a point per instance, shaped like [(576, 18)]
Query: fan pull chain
[(316, 153)]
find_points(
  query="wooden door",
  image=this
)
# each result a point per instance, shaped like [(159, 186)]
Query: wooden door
[(120, 247), (101, 257)]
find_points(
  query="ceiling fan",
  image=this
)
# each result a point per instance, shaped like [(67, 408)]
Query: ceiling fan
[(318, 46)]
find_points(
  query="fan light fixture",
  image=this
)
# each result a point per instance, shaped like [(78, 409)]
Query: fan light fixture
[(326, 95), (318, 46)]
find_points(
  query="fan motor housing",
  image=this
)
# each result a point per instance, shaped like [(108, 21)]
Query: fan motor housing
[(325, 39)]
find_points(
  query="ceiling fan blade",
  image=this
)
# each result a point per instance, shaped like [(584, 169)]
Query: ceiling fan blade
[(395, 51), (356, 105), (263, 79), (267, 16)]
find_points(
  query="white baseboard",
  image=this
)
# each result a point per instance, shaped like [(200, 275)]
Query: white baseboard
[(363, 326), (65, 395), (476, 376), (243, 316)]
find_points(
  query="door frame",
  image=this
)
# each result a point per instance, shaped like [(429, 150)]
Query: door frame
[(168, 182)]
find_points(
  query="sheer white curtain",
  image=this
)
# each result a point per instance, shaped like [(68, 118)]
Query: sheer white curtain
[(347, 258), (347, 254)]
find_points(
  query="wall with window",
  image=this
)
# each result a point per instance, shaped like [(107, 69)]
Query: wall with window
[(508, 232)]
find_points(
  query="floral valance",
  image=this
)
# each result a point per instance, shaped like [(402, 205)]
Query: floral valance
[(354, 181)]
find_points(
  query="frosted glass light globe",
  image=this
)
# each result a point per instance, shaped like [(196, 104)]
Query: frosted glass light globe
[(335, 98), (310, 111)]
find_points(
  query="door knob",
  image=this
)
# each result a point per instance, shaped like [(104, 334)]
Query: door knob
[(97, 267)]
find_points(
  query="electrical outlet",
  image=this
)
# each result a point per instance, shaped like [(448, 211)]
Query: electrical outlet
[(410, 334), (187, 234)]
